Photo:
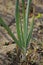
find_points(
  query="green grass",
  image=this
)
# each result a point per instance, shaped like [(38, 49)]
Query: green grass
[(24, 36)]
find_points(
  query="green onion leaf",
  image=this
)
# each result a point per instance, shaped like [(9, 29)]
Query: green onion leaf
[(9, 31), (30, 32)]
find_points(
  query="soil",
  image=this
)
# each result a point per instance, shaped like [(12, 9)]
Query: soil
[(9, 53)]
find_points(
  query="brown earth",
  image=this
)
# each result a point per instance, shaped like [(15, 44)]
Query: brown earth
[(7, 12)]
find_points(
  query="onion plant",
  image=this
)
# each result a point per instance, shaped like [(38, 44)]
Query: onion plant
[(24, 35)]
